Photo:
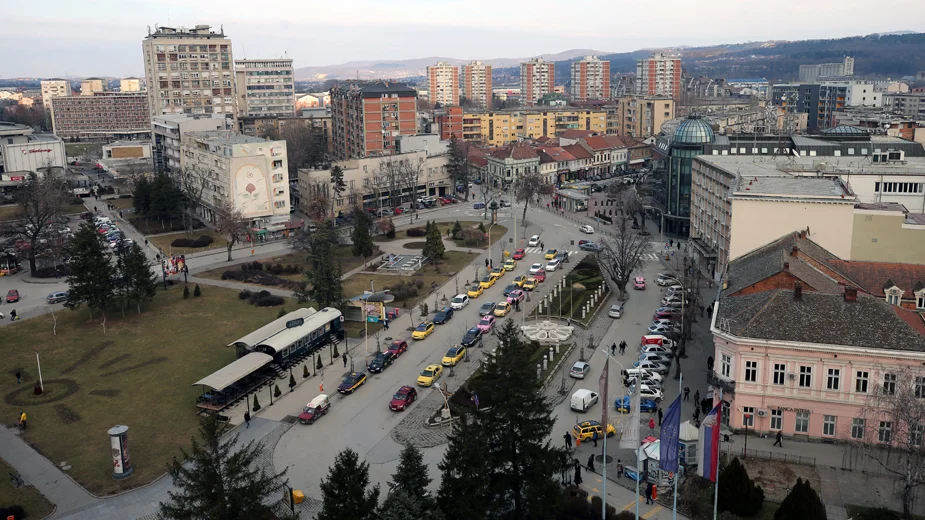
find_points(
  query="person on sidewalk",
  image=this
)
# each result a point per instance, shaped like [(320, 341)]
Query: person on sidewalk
[(568, 440), (619, 468), (344, 357), (594, 439), (577, 473), (622, 347), (591, 463), (687, 393), (778, 439), (652, 426), (710, 312), (385, 324), (660, 414), (18, 377), (247, 419), (702, 308), (710, 363), (649, 493), (697, 397), (613, 349)]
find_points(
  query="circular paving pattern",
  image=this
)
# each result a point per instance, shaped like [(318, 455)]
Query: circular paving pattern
[(55, 390), (548, 332)]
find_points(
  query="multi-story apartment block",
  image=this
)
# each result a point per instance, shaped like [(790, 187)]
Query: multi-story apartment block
[(104, 114), (130, 84), (189, 71), (819, 102), (537, 78), (908, 104), (590, 79), (169, 131), (476, 81), (498, 128), (443, 84), (659, 75), (367, 118), (810, 73), (249, 172), (265, 87), (90, 86), (639, 116), (450, 122), (53, 88)]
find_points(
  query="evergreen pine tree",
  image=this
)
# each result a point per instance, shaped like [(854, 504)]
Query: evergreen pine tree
[(90, 280), (345, 492), (197, 292), (324, 284), (141, 196), (362, 235), (457, 164), (319, 365), (738, 494), (185, 292), (457, 229), (410, 480), (802, 503), (276, 392), (338, 186), (223, 482), (140, 283), (464, 487), (482, 227), (256, 404), (401, 505), (305, 373), (433, 243)]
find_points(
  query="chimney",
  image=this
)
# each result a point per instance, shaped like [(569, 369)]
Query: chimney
[(786, 266), (797, 291), (803, 233), (851, 293), (794, 250)]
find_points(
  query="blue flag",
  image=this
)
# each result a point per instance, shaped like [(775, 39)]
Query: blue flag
[(668, 443)]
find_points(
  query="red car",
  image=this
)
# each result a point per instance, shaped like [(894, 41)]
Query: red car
[(398, 347), (519, 254), (403, 398), (12, 296), (540, 276), (583, 242), (399, 210)]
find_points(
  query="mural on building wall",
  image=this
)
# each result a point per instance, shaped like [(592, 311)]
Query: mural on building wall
[(252, 190)]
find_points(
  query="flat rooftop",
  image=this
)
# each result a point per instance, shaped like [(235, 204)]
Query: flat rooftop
[(794, 187), (765, 166), (225, 137)]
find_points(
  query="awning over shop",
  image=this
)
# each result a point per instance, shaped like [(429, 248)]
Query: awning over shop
[(227, 376)]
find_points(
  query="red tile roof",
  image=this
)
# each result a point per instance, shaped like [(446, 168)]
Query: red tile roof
[(554, 154), (578, 151), (597, 142), (914, 319), (516, 151), (873, 276), (615, 141), (576, 134)]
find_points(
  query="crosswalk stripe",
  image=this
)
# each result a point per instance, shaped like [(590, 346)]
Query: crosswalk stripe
[(654, 510)]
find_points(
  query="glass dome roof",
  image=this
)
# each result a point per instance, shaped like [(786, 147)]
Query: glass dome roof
[(693, 130), (845, 130)]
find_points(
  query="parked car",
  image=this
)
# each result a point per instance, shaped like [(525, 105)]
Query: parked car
[(475, 291), (429, 375), (453, 356), (550, 254), (552, 265), (12, 296), (316, 408), (403, 398), (511, 287), (616, 311), (478, 205), (591, 246), (662, 329), (509, 265), (56, 297), (536, 268), (351, 381), (519, 254), (486, 323), (472, 338), (486, 308), (445, 315), (586, 229), (520, 280), (382, 361), (582, 400), (398, 347), (459, 301), (665, 279), (585, 430), (579, 370), (624, 405), (516, 296), (540, 276), (502, 309)]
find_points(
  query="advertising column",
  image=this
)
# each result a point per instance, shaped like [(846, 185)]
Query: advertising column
[(121, 464)]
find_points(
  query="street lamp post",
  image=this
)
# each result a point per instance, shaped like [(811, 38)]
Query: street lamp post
[(39, 363), (604, 458)]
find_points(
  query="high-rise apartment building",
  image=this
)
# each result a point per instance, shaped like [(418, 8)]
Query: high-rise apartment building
[(130, 84), (477, 83), (265, 87), (90, 86), (590, 79), (659, 75), (443, 81), (537, 78), (816, 71), (189, 71), (169, 132), (53, 88), (367, 118), (104, 114)]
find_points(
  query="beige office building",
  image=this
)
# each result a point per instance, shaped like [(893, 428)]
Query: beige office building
[(129, 85), (189, 71), (90, 86), (53, 88), (265, 87)]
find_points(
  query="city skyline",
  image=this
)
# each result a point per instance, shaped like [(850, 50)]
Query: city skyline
[(75, 40)]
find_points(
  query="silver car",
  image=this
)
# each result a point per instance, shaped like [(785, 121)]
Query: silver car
[(579, 370), (616, 311)]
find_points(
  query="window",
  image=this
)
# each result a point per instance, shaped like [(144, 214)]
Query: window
[(751, 371), (860, 383), (920, 301), (278, 164), (828, 425), (915, 434), (780, 373), (806, 376), (920, 387), (833, 379), (802, 423), (892, 299), (885, 432), (777, 419), (857, 428), (748, 416), (889, 384), (725, 366)]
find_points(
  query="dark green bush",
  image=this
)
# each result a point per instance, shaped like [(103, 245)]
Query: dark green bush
[(415, 232)]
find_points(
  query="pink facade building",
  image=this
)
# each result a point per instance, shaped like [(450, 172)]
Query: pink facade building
[(805, 342)]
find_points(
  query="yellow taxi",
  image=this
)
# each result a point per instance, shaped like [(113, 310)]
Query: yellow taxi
[(502, 309), (487, 281), (530, 284), (551, 253), (454, 355), (585, 430), (519, 280), (423, 330), (510, 265), (497, 272), (475, 291), (429, 375)]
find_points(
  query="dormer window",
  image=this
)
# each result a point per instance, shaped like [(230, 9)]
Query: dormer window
[(920, 299), (893, 295)]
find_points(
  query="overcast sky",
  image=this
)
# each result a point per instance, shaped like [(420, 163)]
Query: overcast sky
[(103, 37)]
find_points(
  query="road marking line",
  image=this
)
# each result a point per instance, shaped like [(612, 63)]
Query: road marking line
[(595, 490), (629, 505), (654, 510)]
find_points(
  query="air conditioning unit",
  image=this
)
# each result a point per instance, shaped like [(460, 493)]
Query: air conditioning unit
[(791, 376), (762, 413)]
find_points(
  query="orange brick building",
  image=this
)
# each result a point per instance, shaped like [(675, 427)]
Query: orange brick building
[(443, 82), (659, 75), (368, 118), (477, 83), (451, 123), (590, 79)]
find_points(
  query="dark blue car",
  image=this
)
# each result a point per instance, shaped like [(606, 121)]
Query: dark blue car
[(443, 316), (478, 205), (625, 404)]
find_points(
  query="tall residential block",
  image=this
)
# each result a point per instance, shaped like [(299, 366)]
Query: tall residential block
[(367, 118), (265, 87), (659, 75), (443, 82), (102, 115), (477, 83), (170, 131), (90, 86), (590, 79), (189, 71), (53, 88), (537, 78), (130, 84)]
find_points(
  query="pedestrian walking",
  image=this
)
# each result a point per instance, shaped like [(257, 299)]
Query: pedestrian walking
[(687, 393), (385, 324), (710, 363), (486, 262), (591, 463), (660, 414), (568, 440), (577, 473), (671, 243), (22, 421), (702, 308), (710, 312), (649, 494), (679, 245), (613, 349), (622, 347), (778, 439), (146, 242), (542, 246), (120, 213), (651, 426), (18, 377), (619, 468), (594, 439), (247, 419), (697, 397), (344, 357)]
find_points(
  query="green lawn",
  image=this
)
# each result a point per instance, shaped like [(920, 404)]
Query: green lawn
[(139, 373), (455, 262), (163, 242), (78, 149), (31, 499), (344, 254), (12, 211), (124, 203)]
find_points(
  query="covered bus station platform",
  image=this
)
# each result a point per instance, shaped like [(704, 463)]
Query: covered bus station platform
[(232, 383)]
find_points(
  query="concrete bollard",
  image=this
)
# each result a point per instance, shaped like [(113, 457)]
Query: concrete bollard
[(550, 353), (545, 362), (583, 313), (557, 348), (539, 370)]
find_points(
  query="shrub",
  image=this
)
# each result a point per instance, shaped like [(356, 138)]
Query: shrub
[(276, 392), (305, 372), (228, 275), (125, 196), (50, 272), (803, 502), (457, 228), (16, 512), (319, 365), (269, 301), (738, 494), (291, 381), (416, 232), (419, 283), (182, 242), (76, 201), (202, 241), (473, 237), (282, 312), (256, 266), (256, 404), (197, 292), (390, 233), (185, 292), (276, 269), (335, 353)]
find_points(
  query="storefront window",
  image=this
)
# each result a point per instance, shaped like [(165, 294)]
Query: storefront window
[(828, 425), (777, 419), (802, 423)]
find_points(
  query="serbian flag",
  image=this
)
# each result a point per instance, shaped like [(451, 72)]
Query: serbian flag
[(708, 452), (603, 388)]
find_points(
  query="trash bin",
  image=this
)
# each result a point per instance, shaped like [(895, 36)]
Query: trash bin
[(298, 496)]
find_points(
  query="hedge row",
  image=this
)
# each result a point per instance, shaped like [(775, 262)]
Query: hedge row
[(202, 241)]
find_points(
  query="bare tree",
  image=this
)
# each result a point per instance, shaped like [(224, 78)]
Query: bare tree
[(409, 178), (623, 254), (892, 431), (192, 182), (458, 163), (485, 190), (231, 223), (319, 202), (387, 177), (531, 189), (304, 146), (41, 200), (268, 130)]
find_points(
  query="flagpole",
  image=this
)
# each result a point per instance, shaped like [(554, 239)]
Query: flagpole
[(604, 474), (718, 452), (639, 471), (677, 473)]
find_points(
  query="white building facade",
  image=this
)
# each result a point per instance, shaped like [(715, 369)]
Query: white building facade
[(265, 87)]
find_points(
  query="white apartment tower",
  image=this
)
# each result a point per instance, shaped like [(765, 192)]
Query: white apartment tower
[(53, 88), (265, 87), (537, 78), (130, 84), (189, 71), (477, 83), (443, 80)]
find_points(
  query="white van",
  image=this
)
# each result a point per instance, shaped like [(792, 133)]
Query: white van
[(582, 400)]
